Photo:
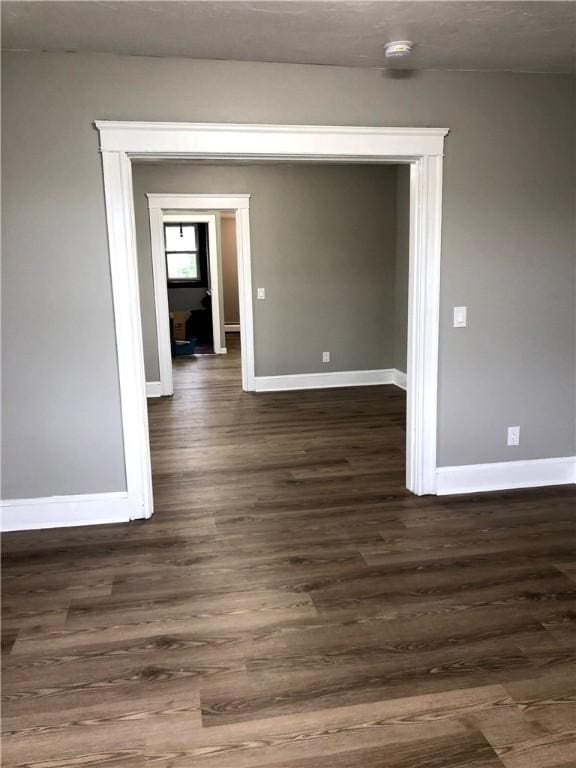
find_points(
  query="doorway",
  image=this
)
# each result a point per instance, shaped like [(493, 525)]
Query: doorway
[(218, 213), (422, 148), (191, 258), (195, 271), (186, 266)]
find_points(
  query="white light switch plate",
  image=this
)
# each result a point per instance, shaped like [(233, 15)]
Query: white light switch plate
[(460, 318), (261, 293)]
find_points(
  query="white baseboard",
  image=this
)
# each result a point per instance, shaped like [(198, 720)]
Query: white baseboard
[(400, 379), (153, 389), (327, 380), (60, 511), (232, 327), (505, 475)]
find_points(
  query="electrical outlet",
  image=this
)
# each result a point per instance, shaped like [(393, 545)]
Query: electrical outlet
[(325, 357), (261, 293), (513, 435)]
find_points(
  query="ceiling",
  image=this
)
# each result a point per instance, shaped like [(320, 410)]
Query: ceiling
[(514, 36)]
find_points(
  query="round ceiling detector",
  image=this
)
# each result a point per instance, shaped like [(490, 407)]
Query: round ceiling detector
[(398, 48)]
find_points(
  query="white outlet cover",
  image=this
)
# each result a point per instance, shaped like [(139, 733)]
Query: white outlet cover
[(261, 293), (513, 436), (325, 357)]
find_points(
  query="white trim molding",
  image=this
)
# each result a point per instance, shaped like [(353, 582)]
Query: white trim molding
[(119, 200), (206, 208), (400, 379), (422, 148), (154, 389), (504, 475), (216, 140), (59, 511), (423, 323), (326, 380), (161, 306)]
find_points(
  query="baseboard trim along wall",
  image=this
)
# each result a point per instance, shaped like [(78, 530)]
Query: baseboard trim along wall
[(505, 475), (106, 508), (328, 380), (62, 511), (312, 380), (153, 389), (400, 379)]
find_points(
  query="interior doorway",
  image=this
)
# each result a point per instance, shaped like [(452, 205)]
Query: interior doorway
[(422, 148), (191, 258), (182, 229)]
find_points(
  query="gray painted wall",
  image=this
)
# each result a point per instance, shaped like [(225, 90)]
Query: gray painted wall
[(323, 242), (229, 269), (508, 247), (401, 267)]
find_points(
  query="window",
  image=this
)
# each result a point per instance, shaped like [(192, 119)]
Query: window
[(182, 248)]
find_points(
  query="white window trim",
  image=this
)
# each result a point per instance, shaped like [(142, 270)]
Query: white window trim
[(423, 148), (196, 251)]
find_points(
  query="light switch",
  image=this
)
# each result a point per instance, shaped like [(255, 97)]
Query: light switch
[(460, 317), (261, 293)]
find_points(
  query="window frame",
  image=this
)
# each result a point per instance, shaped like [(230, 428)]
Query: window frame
[(185, 282)]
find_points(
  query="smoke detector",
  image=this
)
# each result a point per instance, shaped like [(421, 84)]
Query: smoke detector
[(398, 48)]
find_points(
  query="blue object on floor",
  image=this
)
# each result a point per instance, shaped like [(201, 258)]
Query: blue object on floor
[(180, 348)]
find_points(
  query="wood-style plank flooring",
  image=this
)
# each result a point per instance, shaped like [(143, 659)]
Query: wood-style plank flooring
[(290, 605)]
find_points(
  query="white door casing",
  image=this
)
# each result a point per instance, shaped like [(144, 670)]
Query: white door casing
[(423, 148), (206, 208)]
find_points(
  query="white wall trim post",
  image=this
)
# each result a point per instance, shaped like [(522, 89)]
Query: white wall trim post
[(117, 171), (161, 307), (216, 282), (244, 262), (423, 323), (422, 147)]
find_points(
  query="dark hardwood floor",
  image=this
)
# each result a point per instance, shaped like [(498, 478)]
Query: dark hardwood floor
[(290, 605)]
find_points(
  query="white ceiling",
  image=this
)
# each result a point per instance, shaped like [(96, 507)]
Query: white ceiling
[(499, 35)]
